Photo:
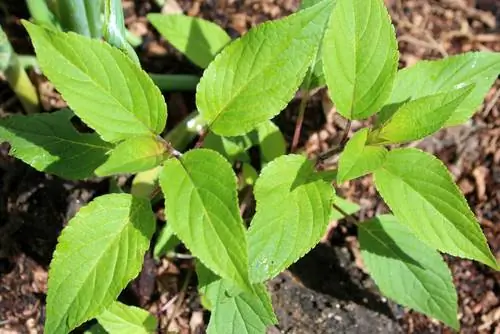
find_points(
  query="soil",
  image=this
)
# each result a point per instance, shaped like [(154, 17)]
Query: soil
[(328, 290)]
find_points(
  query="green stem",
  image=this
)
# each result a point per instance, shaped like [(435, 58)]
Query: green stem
[(132, 39), (16, 76), (41, 14), (175, 82), (93, 10), (72, 15), (300, 121)]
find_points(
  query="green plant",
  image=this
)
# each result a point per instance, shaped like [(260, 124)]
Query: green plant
[(96, 19), (13, 70), (244, 86)]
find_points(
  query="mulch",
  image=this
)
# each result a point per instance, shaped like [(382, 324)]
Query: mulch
[(34, 207)]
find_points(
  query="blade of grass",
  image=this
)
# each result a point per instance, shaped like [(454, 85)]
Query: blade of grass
[(93, 10), (41, 14), (114, 31), (16, 76), (72, 16)]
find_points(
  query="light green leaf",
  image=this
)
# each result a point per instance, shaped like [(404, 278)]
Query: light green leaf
[(421, 193), (315, 77), (202, 208), (198, 39), (98, 253), (407, 270), (167, 241), (245, 313), (267, 135), (106, 89), (346, 206), (248, 175), (440, 76), (145, 183), (134, 155), (49, 143), (358, 158), (360, 57), (209, 285), (124, 319), (254, 77), (293, 209), (420, 118)]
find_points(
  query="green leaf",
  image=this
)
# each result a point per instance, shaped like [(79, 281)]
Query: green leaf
[(315, 77), (293, 209), (440, 76), (407, 270), (346, 206), (420, 118), (358, 158), (245, 313), (202, 208), (124, 319), (421, 193), (198, 39), (267, 135), (95, 328), (208, 285), (360, 57), (145, 183), (98, 253), (135, 155), (166, 242), (49, 143), (106, 89), (254, 77)]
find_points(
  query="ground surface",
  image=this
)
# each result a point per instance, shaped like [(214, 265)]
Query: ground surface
[(325, 292)]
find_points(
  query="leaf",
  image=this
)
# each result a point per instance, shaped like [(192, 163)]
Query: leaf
[(346, 206), (267, 135), (407, 270), (49, 143), (209, 285), (98, 253), (293, 209), (254, 77), (198, 39), (440, 76), (420, 118), (134, 155), (420, 191), (315, 77), (202, 208), (167, 241), (358, 158), (245, 313), (360, 57), (124, 319), (145, 183), (106, 89)]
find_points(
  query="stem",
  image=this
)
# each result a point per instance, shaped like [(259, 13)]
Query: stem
[(347, 216), (300, 120), (182, 295), (72, 16), (175, 82), (200, 141), (16, 76), (337, 148), (114, 31), (41, 14)]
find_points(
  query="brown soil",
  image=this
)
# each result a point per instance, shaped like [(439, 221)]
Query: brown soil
[(325, 292)]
